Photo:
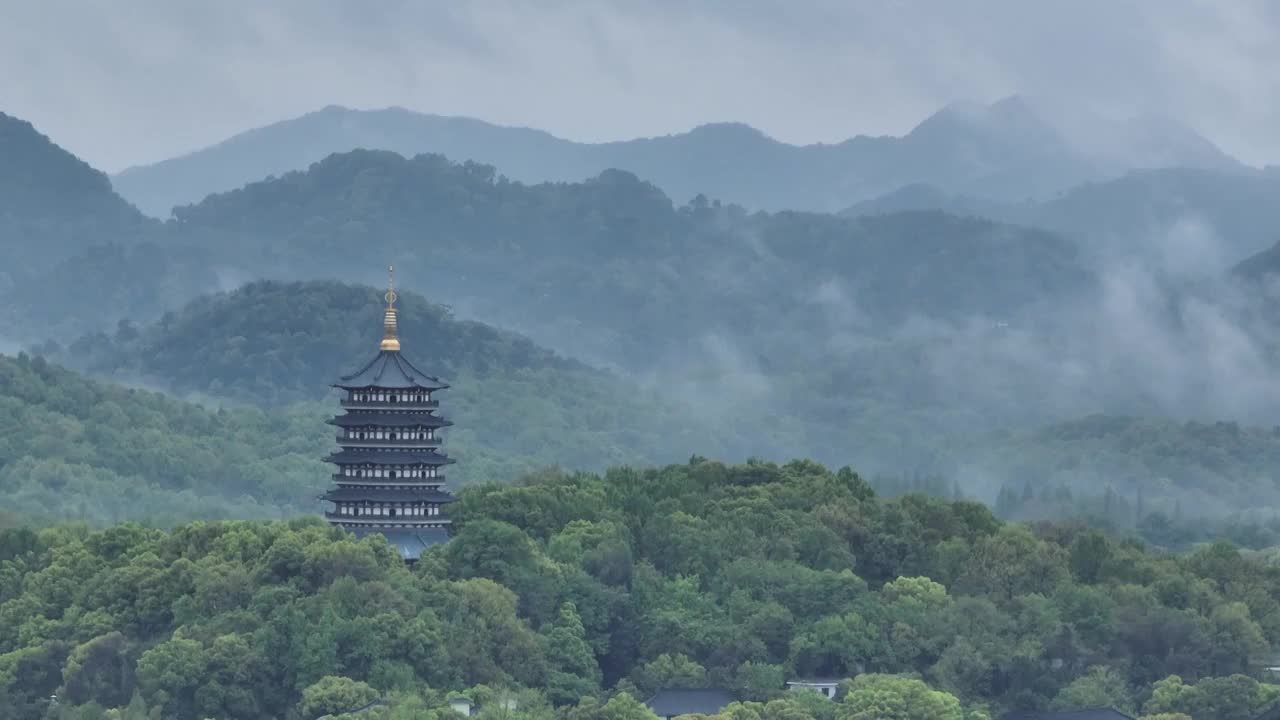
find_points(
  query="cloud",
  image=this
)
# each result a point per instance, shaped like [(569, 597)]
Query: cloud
[(135, 84)]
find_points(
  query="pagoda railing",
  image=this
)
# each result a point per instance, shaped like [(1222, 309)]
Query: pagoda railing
[(382, 404), (406, 482), (407, 521), (386, 442)]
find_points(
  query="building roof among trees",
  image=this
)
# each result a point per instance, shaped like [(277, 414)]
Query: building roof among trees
[(1086, 714), (703, 701)]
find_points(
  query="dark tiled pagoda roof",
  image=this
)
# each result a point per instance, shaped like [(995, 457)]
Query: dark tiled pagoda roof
[(706, 701), (355, 456), (389, 419), (351, 494), (392, 371), (1087, 714), (409, 542)]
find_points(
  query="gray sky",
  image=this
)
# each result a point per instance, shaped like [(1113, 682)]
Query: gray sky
[(123, 83)]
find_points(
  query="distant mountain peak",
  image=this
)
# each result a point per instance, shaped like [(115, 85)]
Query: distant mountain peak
[(1011, 118), (40, 177), (729, 131)]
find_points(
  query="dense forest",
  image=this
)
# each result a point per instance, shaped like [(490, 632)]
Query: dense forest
[(579, 593), (82, 450)]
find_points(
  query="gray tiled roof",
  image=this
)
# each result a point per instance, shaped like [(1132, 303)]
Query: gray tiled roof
[(704, 701), (407, 494), (389, 419), (409, 543), (1087, 714), (391, 370), (349, 456)]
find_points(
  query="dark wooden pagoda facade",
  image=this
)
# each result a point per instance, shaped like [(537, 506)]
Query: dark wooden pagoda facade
[(389, 477)]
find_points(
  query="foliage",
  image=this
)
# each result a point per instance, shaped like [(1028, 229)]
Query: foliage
[(77, 449), (569, 585)]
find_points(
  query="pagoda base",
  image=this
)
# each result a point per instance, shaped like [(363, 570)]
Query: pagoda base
[(409, 542)]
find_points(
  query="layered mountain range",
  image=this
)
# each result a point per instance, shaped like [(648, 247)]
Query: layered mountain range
[(903, 335), (1009, 151)]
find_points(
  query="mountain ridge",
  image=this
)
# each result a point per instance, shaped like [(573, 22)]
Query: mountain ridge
[(1006, 150)]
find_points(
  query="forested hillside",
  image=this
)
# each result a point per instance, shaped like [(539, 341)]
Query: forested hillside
[(1202, 217), (73, 449), (274, 343), (68, 243), (562, 590), (610, 268), (1129, 473), (271, 344), (516, 405), (76, 449), (52, 202)]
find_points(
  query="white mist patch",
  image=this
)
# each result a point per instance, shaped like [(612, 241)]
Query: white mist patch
[(1191, 249), (1164, 334)]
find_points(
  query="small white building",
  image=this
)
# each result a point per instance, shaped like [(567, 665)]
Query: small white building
[(826, 687), (461, 705)]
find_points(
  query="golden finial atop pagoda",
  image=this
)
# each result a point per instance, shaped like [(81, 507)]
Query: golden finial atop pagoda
[(389, 339)]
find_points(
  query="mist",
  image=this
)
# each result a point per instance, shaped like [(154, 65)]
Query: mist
[(606, 72)]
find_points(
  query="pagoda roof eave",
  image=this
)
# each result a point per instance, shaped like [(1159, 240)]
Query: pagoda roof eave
[(348, 456), (390, 419), (390, 370), (346, 494)]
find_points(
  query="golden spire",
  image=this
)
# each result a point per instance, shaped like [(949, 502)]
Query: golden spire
[(389, 339)]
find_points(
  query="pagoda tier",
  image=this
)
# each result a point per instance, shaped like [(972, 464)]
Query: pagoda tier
[(389, 462)]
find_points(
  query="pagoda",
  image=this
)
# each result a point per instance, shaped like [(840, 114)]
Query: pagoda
[(389, 478)]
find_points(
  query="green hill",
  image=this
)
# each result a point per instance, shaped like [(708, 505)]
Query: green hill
[(51, 200), (516, 405), (1208, 467), (609, 269), (73, 448), (74, 255), (1210, 217)]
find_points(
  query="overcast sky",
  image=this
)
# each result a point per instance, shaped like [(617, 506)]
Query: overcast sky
[(124, 83)]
